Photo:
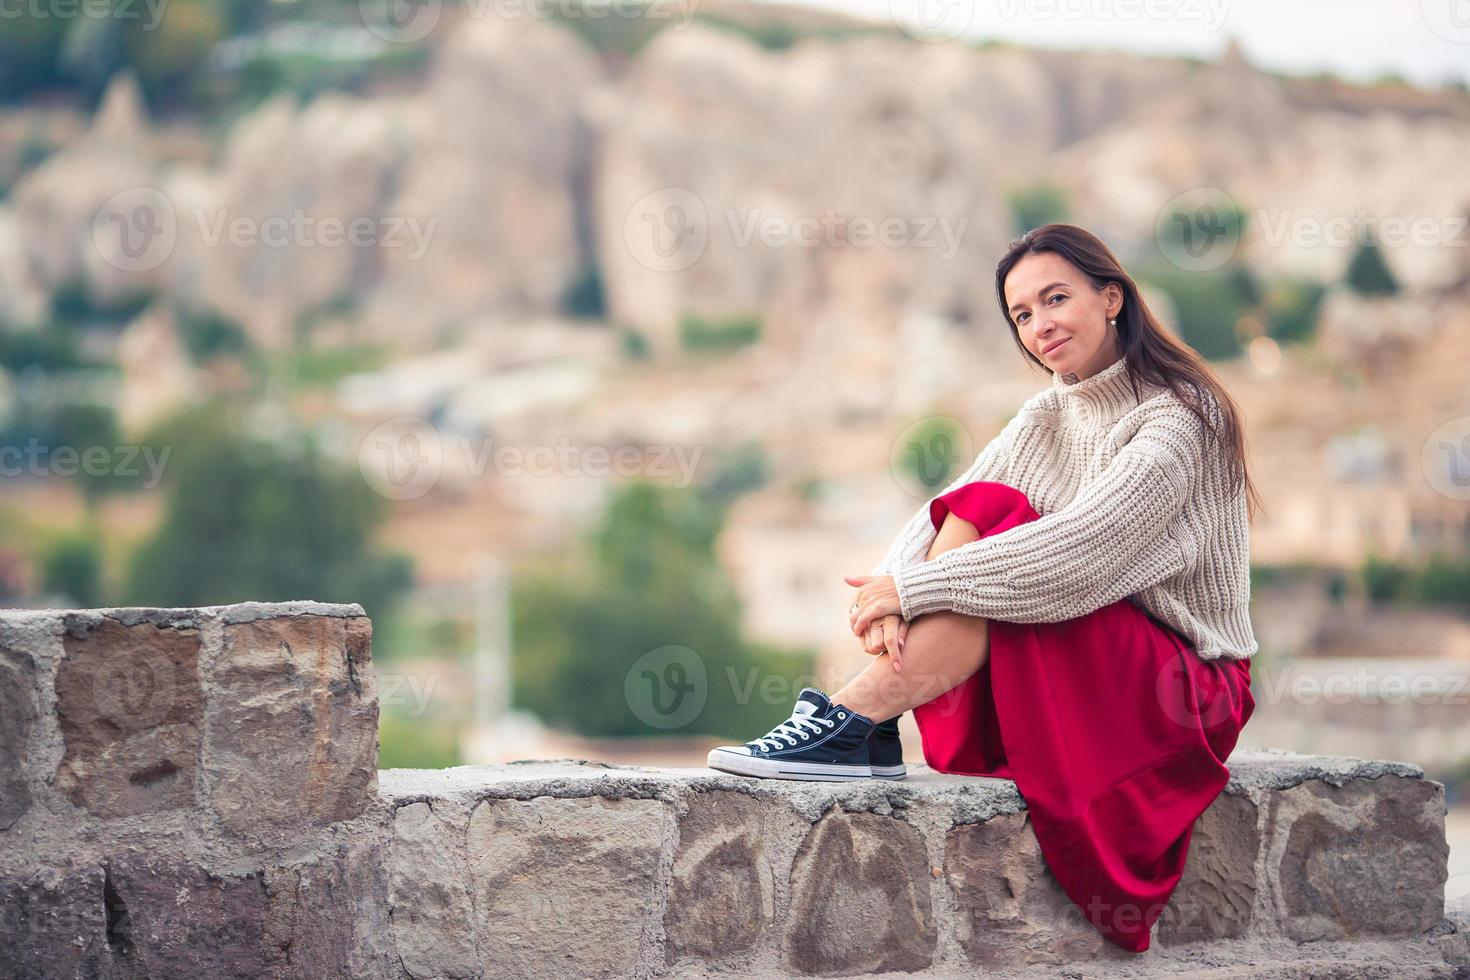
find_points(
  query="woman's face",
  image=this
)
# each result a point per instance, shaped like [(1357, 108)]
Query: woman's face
[(1059, 316)]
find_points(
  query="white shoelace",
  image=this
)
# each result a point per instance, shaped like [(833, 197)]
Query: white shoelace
[(793, 728)]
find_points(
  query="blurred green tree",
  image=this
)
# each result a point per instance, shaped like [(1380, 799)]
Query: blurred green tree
[(1292, 305), (247, 519), (1444, 580), (1384, 580), (583, 296), (417, 742), (1037, 205), (71, 567), (1368, 273), (1208, 304), (702, 333), (649, 579)]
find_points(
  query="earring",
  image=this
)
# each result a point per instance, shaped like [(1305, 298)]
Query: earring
[(1113, 322)]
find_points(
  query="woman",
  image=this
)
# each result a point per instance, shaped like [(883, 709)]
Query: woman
[(1072, 613)]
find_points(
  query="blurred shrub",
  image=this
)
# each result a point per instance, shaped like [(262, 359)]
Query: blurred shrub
[(1208, 304), (771, 35), (1383, 580), (1441, 580), (79, 440), (247, 519), (1285, 574), (71, 567), (39, 350), (738, 470), (1337, 587), (74, 307), (33, 150), (649, 579), (698, 333), (413, 631), (208, 334), (343, 305), (1292, 307), (771, 32), (583, 296), (29, 47), (617, 39), (633, 344), (1368, 273), (173, 54), (1037, 205), (424, 742), (305, 368)]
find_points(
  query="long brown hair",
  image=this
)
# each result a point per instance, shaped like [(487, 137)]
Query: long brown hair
[(1154, 355)]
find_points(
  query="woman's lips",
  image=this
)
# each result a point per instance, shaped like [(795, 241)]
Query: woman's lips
[(1059, 346)]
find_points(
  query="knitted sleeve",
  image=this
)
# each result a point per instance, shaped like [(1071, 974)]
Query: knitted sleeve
[(1107, 543), (912, 543)]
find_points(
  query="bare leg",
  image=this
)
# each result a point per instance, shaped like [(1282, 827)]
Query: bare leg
[(941, 651)]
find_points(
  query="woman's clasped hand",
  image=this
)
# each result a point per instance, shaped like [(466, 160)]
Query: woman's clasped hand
[(876, 618)]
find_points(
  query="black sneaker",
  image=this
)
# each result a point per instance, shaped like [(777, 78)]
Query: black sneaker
[(885, 750), (820, 740)]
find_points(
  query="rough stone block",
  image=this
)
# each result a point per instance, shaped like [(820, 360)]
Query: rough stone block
[(723, 894), (1217, 892), (429, 897), (1365, 858), (293, 733), (329, 917), (131, 708), (1010, 908), (17, 718), (171, 918), (860, 898), (53, 926), (563, 887)]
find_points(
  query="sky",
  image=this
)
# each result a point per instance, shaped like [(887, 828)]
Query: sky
[(1425, 41)]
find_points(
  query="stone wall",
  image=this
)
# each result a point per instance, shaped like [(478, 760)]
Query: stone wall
[(193, 793)]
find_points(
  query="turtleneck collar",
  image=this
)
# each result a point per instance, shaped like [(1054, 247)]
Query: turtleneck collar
[(1108, 392)]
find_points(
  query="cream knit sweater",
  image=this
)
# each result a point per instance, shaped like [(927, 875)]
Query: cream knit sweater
[(1130, 507)]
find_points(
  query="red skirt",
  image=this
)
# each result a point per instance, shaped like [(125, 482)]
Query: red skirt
[(1114, 731)]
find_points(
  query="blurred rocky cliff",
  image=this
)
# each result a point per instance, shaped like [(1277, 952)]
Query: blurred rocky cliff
[(490, 189)]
